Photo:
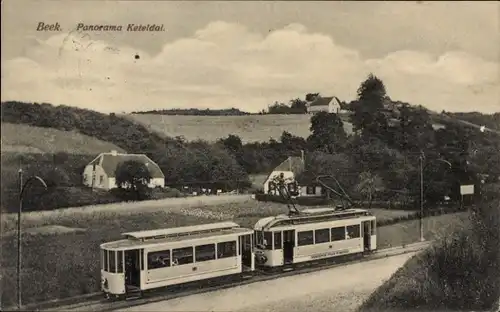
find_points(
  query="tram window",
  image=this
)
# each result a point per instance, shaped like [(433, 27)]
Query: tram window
[(305, 238), (258, 239), (182, 256), (158, 259), (353, 231), (141, 258), (373, 227), (321, 236), (105, 267), (338, 233), (268, 240), (277, 240), (102, 260), (226, 250), (205, 252), (119, 262), (112, 261)]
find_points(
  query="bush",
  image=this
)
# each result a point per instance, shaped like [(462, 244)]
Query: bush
[(303, 201), (461, 271)]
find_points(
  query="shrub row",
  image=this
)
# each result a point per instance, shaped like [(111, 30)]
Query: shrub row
[(416, 215), (303, 201)]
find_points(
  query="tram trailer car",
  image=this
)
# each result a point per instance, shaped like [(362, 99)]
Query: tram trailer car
[(313, 234), (151, 259)]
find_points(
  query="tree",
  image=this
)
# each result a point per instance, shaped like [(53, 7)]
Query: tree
[(367, 114), (232, 143), (298, 106), (311, 96), (368, 185), (292, 143), (134, 176), (414, 131), (328, 133)]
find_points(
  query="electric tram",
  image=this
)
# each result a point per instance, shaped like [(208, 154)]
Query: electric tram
[(312, 235), (151, 259)]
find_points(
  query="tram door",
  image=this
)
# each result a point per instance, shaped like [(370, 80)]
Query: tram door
[(245, 242), (133, 268), (366, 235), (288, 246)]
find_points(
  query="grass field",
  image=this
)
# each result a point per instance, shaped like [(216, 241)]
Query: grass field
[(60, 248), (249, 128), (28, 139)]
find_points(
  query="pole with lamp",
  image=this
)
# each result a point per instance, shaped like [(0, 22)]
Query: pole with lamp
[(22, 188), (422, 167)]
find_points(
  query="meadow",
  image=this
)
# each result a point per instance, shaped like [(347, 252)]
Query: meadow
[(21, 138), (60, 248), (250, 128)]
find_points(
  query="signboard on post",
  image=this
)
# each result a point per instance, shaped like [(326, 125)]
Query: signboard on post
[(466, 189)]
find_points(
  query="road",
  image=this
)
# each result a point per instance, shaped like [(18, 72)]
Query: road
[(338, 289)]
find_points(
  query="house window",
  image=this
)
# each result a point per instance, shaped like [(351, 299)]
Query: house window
[(310, 190), (101, 179)]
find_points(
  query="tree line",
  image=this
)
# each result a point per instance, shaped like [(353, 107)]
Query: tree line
[(384, 153)]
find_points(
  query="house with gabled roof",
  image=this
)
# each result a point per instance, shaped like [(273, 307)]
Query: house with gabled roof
[(289, 169), (100, 172), (330, 104), (300, 181)]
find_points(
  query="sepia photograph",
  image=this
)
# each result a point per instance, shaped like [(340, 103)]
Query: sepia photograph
[(248, 156)]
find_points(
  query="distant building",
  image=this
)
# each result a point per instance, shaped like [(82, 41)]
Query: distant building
[(324, 104), (100, 172), (290, 168), (293, 169)]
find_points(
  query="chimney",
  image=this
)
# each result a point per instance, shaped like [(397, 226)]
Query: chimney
[(114, 153)]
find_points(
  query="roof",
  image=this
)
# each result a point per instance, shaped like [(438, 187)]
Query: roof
[(321, 101), (111, 160), (311, 213), (292, 163), (133, 244), (181, 230)]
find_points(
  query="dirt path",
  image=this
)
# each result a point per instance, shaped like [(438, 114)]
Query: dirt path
[(340, 289)]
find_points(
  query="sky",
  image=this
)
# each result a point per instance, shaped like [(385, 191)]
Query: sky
[(247, 55)]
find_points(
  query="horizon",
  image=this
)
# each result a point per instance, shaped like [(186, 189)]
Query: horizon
[(215, 55)]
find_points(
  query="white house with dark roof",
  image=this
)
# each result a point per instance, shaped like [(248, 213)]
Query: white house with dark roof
[(290, 168), (100, 172), (330, 104)]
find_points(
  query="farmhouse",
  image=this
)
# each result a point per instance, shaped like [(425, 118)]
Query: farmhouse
[(100, 172), (292, 169), (289, 168), (324, 104)]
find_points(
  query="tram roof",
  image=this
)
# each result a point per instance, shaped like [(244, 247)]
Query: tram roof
[(310, 216), (181, 230), (125, 244)]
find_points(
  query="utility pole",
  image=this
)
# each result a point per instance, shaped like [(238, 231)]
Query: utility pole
[(422, 197), (20, 172), (22, 187)]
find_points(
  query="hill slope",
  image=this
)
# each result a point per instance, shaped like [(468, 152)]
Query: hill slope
[(29, 139), (250, 128)]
